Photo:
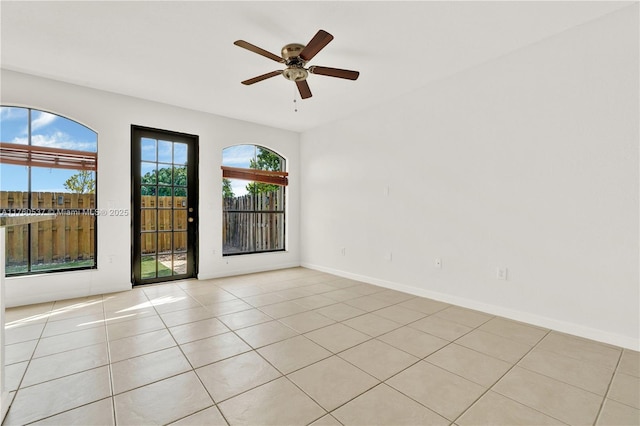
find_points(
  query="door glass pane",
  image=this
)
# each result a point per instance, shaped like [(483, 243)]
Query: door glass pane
[(164, 175), (148, 220), (148, 243), (180, 153), (165, 152), (180, 242), (164, 242), (180, 176), (148, 149), (148, 173), (148, 196), (148, 267), (165, 268), (179, 263), (180, 220), (165, 220)]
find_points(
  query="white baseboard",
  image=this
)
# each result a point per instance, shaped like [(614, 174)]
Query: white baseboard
[(242, 270), (526, 317)]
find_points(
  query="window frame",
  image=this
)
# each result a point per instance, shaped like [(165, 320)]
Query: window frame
[(279, 178), (31, 156)]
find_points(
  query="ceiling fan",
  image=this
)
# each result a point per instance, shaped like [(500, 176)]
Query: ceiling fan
[(295, 56)]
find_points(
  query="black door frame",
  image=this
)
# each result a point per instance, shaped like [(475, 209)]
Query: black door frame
[(137, 133)]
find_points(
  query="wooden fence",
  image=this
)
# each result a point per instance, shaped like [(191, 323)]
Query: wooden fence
[(171, 215), (253, 223), (67, 238), (71, 237)]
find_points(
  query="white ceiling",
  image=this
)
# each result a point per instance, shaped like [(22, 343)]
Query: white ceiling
[(182, 53)]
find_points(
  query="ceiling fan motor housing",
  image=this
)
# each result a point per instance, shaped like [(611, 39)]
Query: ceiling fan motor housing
[(295, 65), (294, 73)]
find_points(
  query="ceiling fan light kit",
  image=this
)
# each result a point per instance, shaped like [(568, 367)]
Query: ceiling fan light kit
[(295, 56)]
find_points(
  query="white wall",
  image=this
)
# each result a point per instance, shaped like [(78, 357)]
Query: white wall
[(111, 116), (528, 162)]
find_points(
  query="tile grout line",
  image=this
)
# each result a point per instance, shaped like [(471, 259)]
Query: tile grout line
[(192, 369), (502, 376), (606, 394), (29, 363)]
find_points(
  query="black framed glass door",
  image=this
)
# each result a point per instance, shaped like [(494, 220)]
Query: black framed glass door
[(165, 205)]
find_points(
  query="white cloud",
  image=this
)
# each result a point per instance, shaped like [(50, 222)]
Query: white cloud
[(22, 140), (57, 140), (238, 155), (12, 113), (42, 119), (239, 187)]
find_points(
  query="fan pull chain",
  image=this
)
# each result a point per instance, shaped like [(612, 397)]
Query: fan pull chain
[(295, 101)]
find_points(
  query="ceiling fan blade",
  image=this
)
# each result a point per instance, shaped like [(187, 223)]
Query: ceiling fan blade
[(335, 72), (261, 77), (303, 88), (258, 50), (317, 43)]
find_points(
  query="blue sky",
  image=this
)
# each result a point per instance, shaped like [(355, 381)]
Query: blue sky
[(54, 131), (48, 130), (238, 156)]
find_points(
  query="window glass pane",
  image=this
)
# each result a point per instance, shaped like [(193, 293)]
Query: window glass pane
[(16, 249), (64, 243), (148, 150), (267, 160), (165, 151), (14, 183), (63, 181), (238, 156), (53, 131), (15, 125)]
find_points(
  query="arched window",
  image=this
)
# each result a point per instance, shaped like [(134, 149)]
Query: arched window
[(48, 164), (253, 193)]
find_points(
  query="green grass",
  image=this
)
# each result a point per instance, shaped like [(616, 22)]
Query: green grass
[(18, 269), (148, 268)]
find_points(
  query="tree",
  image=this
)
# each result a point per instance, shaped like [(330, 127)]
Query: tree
[(82, 182), (164, 176), (265, 160), (227, 190)]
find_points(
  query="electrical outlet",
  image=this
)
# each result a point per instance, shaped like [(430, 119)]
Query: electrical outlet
[(501, 273), (388, 256), (437, 263), (343, 251)]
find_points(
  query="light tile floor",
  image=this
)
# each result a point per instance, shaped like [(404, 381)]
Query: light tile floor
[(300, 347)]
